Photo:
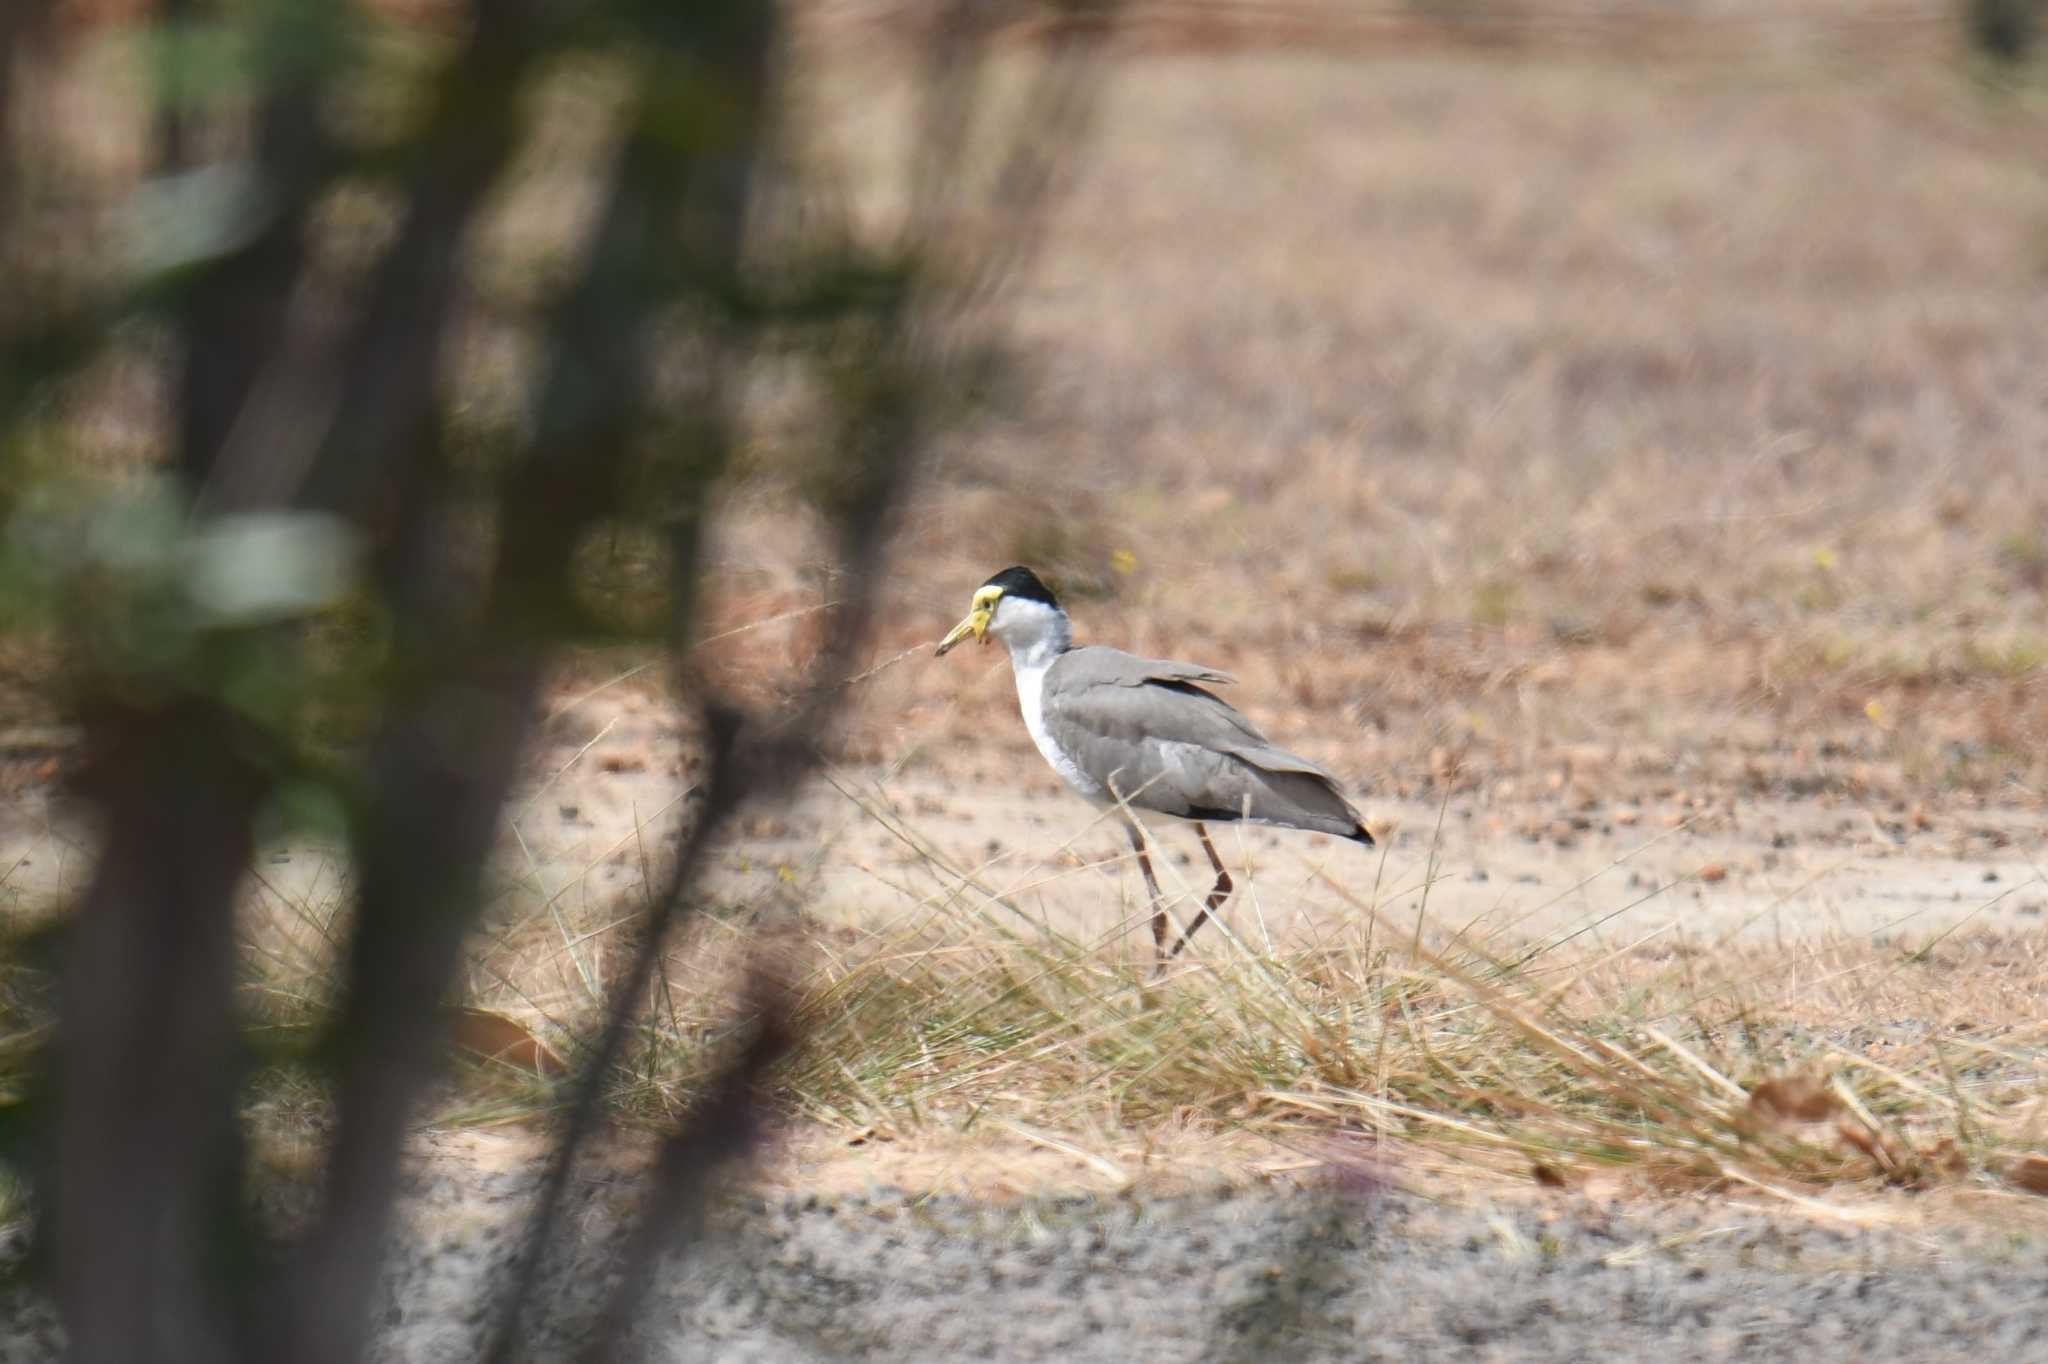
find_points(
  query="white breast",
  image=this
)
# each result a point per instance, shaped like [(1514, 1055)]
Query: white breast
[(1031, 700)]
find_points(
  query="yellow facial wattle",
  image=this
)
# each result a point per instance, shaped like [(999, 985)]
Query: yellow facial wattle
[(976, 623)]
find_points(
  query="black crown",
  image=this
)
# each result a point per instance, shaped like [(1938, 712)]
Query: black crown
[(1022, 582)]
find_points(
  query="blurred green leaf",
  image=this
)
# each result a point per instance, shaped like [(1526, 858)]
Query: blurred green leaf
[(177, 221), (261, 568)]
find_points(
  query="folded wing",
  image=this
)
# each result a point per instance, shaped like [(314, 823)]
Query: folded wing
[(1148, 730)]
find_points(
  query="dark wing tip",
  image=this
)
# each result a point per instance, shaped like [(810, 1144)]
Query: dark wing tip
[(1363, 837)]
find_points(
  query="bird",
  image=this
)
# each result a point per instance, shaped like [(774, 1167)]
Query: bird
[(1145, 733)]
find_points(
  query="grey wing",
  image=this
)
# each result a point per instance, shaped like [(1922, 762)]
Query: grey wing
[(1094, 665), (1144, 729)]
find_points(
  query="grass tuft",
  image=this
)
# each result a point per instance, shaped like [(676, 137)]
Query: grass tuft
[(1556, 1062)]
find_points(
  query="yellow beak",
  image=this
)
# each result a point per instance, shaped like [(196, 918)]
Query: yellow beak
[(976, 624)]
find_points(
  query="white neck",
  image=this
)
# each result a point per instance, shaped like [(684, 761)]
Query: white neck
[(1034, 633)]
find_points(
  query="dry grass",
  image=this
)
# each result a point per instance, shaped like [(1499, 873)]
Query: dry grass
[(1509, 425), (1385, 1039), (1513, 428), (1412, 1041), (1393, 1042)]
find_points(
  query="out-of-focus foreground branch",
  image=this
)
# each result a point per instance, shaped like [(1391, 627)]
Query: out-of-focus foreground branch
[(316, 457)]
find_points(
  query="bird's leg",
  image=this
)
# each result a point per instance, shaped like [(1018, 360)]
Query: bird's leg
[(1217, 895), (1159, 924)]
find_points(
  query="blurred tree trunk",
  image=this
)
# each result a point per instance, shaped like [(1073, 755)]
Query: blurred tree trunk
[(307, 412), (148, 1165), (2005, 29)]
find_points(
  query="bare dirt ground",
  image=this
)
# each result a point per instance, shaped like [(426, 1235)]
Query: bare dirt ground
[(1628, 478), (858, 850)]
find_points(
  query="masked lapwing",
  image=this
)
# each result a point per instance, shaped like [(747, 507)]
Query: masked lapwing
[(1142, 733)]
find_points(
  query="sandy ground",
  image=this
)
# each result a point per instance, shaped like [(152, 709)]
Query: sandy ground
[(869, 846)]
